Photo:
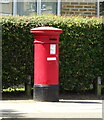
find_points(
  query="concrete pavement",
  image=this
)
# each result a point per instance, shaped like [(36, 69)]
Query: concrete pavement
[(61, 109)]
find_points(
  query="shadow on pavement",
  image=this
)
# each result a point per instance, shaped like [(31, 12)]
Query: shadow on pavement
[(16, 96), (67, 96), (6, 113), (82, 102)]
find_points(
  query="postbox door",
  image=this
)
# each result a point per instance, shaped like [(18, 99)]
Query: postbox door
[(52, 62)]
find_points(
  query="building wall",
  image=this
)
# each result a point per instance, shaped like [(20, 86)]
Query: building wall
[(79, 8), (68, 7)]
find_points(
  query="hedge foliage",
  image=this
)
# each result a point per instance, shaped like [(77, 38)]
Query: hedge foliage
[(81, 49)]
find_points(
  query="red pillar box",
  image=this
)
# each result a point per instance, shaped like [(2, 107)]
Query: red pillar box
[(46, 60)]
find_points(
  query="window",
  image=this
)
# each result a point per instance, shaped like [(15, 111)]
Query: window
[(27, 8), (48, 7), (102, 8), (5, 7)]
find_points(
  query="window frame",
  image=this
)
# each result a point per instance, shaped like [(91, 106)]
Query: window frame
[(38, 7)]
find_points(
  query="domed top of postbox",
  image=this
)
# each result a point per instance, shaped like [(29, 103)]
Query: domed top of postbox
[(46, 31)]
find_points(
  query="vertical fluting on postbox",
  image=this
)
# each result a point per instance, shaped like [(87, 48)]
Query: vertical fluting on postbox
[(46, 63)]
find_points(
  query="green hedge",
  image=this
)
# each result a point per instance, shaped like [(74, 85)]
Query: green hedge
[(81, 49)]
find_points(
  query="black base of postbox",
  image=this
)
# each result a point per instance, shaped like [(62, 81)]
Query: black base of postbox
[(49, 93)]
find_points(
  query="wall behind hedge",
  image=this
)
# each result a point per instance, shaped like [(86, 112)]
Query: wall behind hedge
[(81, 49)]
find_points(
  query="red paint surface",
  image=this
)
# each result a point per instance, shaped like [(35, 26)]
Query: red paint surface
[(46, 72)]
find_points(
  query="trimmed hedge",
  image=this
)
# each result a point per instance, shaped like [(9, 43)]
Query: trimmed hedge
[(81, 49)]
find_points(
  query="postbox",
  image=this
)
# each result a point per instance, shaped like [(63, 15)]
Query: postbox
[(46, 63)]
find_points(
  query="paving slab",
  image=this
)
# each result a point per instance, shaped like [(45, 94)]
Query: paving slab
[(61, 109)]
